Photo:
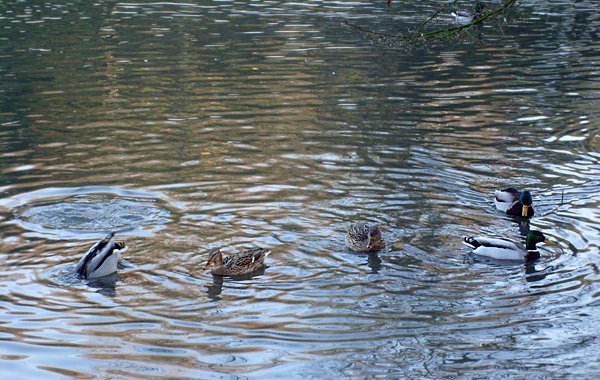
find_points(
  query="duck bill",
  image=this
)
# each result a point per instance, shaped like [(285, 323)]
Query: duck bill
[(549, 242), (208, 264), (525, 210)]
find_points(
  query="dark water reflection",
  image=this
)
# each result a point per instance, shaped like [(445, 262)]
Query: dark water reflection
[(241, 124)]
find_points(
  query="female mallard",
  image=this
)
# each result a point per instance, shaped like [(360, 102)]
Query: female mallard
[(101, 259), (504, 249), (240, 264), (514, 202), (364, 238)]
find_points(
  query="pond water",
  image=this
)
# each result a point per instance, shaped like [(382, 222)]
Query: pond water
[(238, 124)]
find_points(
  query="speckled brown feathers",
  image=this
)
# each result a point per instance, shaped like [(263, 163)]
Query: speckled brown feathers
[(364, 238), (244, 263)]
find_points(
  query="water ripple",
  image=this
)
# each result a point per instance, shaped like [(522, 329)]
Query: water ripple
[(66, 213)]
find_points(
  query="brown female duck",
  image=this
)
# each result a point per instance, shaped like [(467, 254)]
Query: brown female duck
[(244, 263), (364, 238)]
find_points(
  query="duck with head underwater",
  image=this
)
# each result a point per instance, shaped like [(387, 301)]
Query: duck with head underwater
[(514, 202), (101, 260), (504, 249)]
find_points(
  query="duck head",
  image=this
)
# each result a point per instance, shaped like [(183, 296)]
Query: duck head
[(535, 237), (373, 236), (526, 200), (214, 257)]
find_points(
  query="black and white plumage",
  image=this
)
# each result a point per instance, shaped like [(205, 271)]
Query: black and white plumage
[(364, 238), (244, 263), (504, 249), (101, 260), (514, 202), (465, 18)]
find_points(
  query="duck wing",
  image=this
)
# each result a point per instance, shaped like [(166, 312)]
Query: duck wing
[(497, 248), (359, 232), (507, 198), (494, 242), (507, 195), (97, 256), (247, 258)]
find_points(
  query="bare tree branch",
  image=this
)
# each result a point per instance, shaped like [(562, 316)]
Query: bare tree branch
[(438, 34)]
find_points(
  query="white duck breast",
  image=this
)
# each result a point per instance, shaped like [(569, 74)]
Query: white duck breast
[(101, 260), (462, 18)]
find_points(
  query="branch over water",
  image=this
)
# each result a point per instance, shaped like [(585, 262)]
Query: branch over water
[(438, 34)]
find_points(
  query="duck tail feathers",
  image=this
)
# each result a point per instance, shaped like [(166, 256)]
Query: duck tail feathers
[(121, 246), (471, 242), (259, 254)]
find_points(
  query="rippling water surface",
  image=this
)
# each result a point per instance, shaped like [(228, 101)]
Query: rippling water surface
[(188, 126)]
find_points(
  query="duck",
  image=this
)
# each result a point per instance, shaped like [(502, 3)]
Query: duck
[(101, 260), (247, 262), (364, 238), (514, 202), (465, 18), (504, 249)]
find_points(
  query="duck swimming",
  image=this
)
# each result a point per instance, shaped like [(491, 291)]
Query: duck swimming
[(514, 202), (244, 263), (504, 249), (101, 260), (364, 238), (465, 18)]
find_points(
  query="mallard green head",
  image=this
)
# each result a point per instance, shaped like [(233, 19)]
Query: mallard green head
[(535, 237), (526, 200)]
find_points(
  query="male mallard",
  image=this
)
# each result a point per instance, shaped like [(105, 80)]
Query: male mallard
[(101, 259), (514, 202), (364, 238), (504, 249), (243, 263), (464, 18)]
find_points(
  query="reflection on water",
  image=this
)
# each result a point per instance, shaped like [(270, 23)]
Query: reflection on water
[(214, 290), (254, 124)]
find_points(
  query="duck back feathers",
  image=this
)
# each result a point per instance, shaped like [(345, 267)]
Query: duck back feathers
[(244, 263)]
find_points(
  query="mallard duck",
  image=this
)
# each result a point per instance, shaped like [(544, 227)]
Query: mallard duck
[(101, 259), (243, 263), (504, 249), (464, 18), (364, 238), (514, 202)]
